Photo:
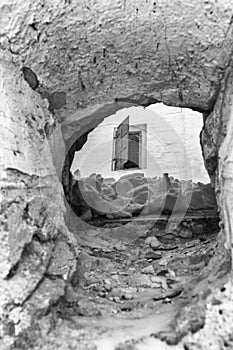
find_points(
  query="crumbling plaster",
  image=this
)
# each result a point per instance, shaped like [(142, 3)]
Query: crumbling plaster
[(96, 51), (84, 61)]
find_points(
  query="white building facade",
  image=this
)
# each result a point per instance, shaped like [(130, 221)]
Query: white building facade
[(167, 141)]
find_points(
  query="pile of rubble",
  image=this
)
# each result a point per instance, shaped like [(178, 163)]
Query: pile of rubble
[(157, 270), (135, 194)]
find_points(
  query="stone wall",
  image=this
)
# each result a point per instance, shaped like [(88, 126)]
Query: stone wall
[(64, 66), (217, 144), (32, 208), (92, 52)]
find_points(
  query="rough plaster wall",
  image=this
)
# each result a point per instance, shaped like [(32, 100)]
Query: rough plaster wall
[(31, 208), (217, 147), (224, 173), (95, 51), (85, 54)]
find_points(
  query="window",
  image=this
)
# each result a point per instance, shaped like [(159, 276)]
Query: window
[(129, 146)]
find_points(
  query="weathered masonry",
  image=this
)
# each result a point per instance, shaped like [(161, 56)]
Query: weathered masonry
[(64, 67)]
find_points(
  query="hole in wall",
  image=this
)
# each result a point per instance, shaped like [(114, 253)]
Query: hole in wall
[(143, 256), (141, 161)]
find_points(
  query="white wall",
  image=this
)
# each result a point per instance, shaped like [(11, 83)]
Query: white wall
[(172, 143)]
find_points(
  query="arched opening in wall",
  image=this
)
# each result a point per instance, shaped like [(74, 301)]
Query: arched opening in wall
[(146, 217), (141, 161)]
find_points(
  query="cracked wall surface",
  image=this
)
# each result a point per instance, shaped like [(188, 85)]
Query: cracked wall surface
[(64, 67), (95, 51), (31, 208)]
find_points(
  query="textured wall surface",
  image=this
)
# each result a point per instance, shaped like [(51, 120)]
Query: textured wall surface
[(83, 61), (95, 51), (31, 207), (217, 141)]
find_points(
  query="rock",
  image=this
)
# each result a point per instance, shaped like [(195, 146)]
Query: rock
[(166, 301), (153, 256), (118, 214), (88, 308), (48, 293), (172, 273), (148, 269), (163, 262), (130, 176), (70, 295), (148, 240), (141, 280), (118, 294), (163, 272), (161, 280), (127, 296), (109, 181), (155, 285), (186, 233), (133, 256), (197, 260), (167, 246), (187, 224), (154, 243), (135, 208), (63, 262), (169, 236), (154, 204), (131, 185), (86, 214), (115, 299), (197, 229), (121, 247), (142, 196), (169, 294), (107, 285), (84, 266), (158, 232), (173, 226)]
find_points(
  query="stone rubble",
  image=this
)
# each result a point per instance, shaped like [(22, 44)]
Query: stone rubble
[(118, 281), (134, 194)]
